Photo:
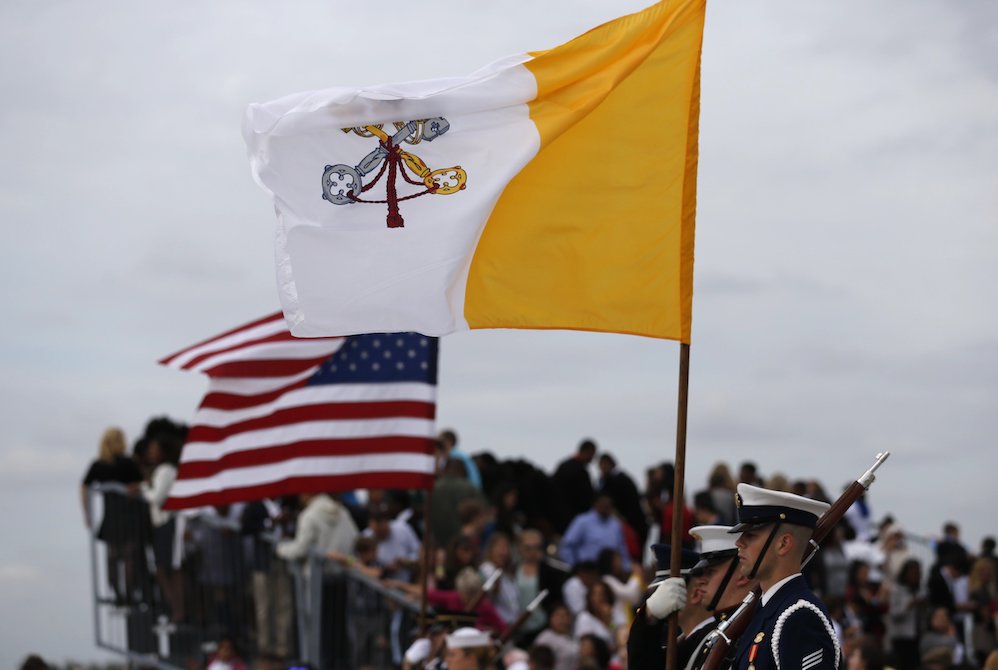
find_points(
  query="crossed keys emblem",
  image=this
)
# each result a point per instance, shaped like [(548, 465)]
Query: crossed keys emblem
[(344, 185)]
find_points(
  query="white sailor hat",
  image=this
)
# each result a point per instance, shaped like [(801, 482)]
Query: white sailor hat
[(663, 561), (757, 506), (716, 545), (464, 638)]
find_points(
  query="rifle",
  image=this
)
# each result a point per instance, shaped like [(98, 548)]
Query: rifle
[(517, 625), (489, 584), (722, 637)]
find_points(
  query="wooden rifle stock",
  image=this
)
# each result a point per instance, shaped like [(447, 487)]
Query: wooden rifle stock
[(737, 624)]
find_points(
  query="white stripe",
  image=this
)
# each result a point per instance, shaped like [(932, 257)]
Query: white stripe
[(811, 663), (272, 351), (304, 467), (248, 386), (308, 430), (263, 330), (812, 655), (318, 395)]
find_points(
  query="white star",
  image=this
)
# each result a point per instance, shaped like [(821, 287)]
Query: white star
[(400, 342), (400, 365), (388, 354), (375, 366), (353, 367), (423, 342), (412, 353), (423, 365), (376, 343), (354, 344), (332, 368), (363, 354)]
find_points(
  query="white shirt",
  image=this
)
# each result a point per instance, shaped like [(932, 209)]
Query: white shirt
[(771, 591)]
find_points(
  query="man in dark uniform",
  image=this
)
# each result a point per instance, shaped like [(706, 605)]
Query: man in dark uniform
[(666, 595), (790, 629), (720, 586)]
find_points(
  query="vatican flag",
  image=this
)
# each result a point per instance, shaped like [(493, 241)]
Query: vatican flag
[(555, 189)]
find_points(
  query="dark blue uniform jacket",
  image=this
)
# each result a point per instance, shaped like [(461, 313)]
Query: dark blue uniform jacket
[(791, 632)]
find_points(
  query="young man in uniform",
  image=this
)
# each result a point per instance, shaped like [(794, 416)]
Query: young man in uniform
[(791, 629), (722, 587)]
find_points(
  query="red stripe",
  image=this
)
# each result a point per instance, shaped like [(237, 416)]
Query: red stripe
[(338, 411), (264, 368), (303, 449), (296, 485), (253, 324), (220, 400), (277, 337)]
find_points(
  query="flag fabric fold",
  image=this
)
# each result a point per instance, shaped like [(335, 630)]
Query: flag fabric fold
[(554, 189), (285, 415)]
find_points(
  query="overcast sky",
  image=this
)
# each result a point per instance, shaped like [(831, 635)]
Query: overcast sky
[(845, 280)]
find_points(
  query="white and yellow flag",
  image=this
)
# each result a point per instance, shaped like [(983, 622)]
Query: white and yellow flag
[(554, 189)]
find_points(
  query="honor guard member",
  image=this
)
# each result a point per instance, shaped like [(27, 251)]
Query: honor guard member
[(468, 649), (666, 595), (722, 587), (790, 629)]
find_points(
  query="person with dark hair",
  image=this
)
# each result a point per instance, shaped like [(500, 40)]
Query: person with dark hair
[(573, 485), (162, 453), (905, 608), (34, 662), (867, 655), (866, 600), (451, 487), (617, 484), (447, 440), (594, 653), (540, 657), (558, 637), (598, 617), (941, 634), (626, 587), (226, 657)]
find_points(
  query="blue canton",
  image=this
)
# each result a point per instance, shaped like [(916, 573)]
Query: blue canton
[(381, 358)]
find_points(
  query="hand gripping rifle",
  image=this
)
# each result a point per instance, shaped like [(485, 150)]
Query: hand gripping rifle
[(721, 638)]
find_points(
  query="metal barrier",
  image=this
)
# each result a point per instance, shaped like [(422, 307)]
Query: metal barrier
[(223, 582)]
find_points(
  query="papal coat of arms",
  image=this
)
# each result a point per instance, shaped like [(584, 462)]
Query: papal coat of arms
[(344, 185)]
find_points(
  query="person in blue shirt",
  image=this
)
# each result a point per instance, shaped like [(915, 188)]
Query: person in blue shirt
[(590, 533), (447, 440)]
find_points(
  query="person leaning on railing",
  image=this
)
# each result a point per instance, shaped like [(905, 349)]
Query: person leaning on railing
[(120, 528)]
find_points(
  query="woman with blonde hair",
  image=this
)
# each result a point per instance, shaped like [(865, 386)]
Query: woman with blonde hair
[(121, 527)]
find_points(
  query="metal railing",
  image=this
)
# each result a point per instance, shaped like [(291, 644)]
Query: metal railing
[(223, 583)]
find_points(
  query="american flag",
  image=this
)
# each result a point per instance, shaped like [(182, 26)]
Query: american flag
[(286, 415)]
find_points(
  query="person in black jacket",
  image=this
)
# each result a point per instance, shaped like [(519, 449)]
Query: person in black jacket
[(574, 487), (624, 493)]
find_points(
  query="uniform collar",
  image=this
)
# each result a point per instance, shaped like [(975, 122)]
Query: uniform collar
[(771, 591)]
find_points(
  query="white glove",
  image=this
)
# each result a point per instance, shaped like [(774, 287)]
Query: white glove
[(669, 597), (418, 651)]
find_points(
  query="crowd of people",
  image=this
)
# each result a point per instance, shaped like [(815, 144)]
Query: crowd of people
[(553, 565)]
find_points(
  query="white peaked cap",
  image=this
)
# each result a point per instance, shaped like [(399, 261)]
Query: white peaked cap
[(468, 637), (761, 506), (714, 538)]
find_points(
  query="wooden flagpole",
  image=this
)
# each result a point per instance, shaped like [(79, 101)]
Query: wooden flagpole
[(678, 496)]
